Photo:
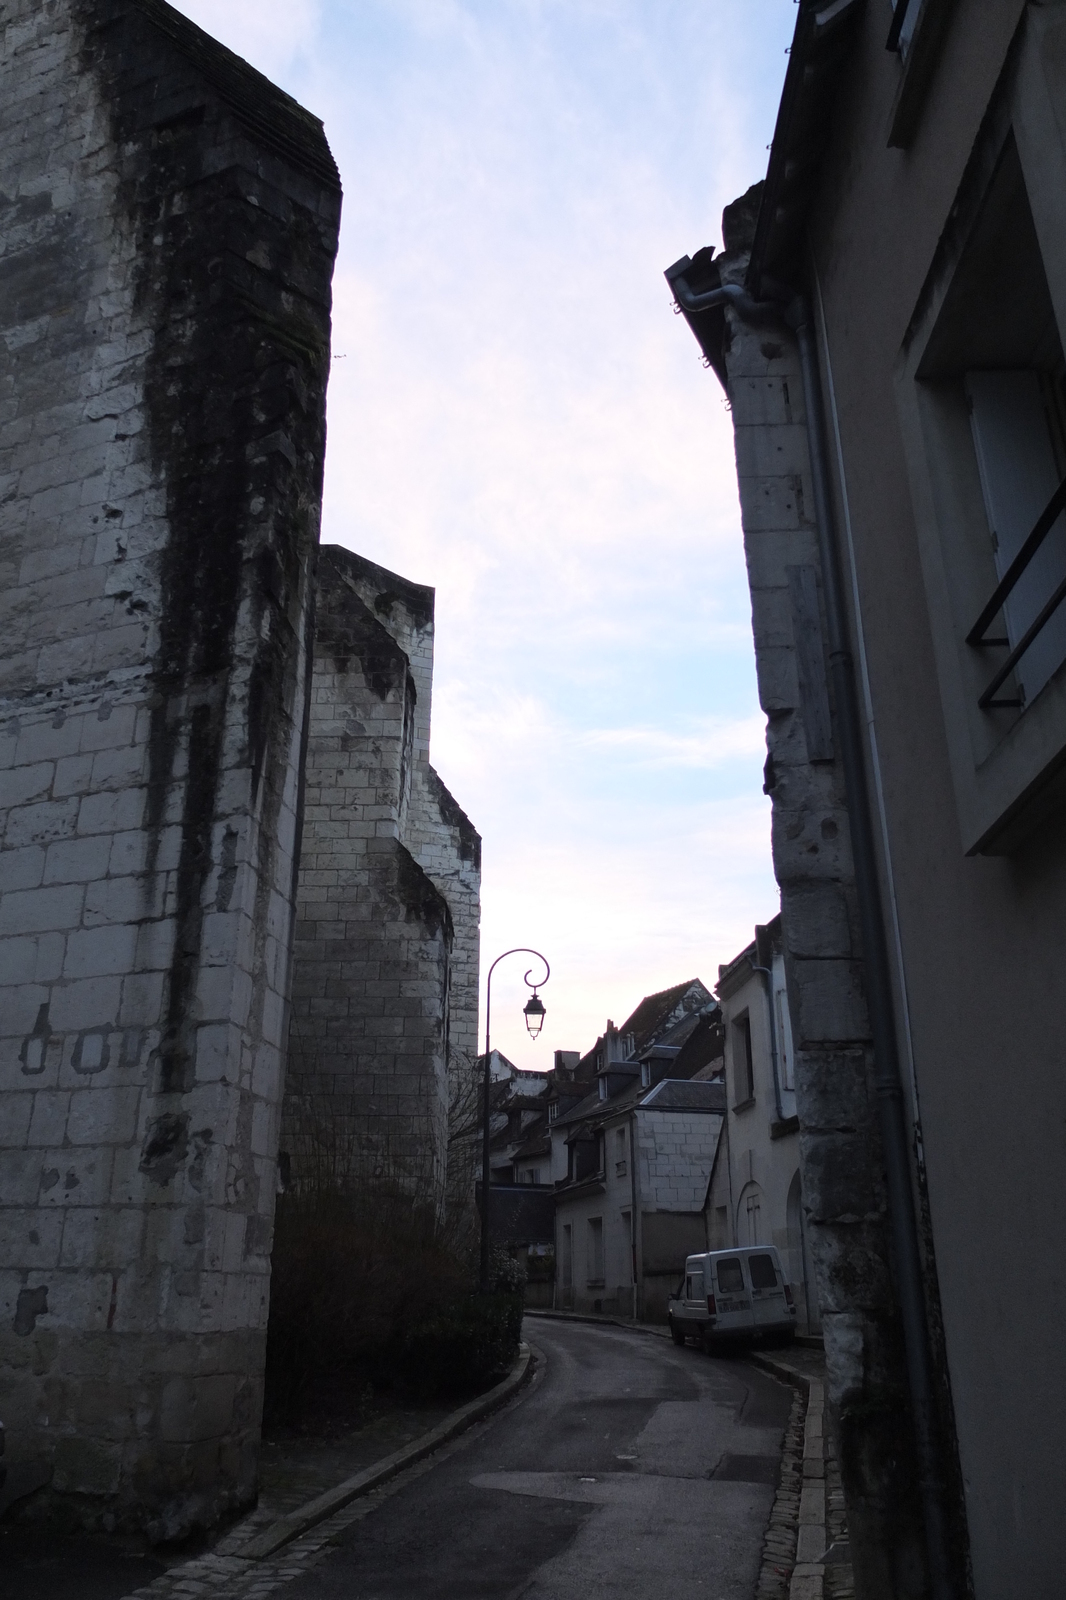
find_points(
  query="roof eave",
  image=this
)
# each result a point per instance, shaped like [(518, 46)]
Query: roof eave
[(824, 33)]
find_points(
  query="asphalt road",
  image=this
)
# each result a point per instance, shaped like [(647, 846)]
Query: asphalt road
[(628, 1470)]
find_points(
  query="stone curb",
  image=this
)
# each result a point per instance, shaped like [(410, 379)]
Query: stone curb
[(783, 1370), (298, 1522), (808, 1574)]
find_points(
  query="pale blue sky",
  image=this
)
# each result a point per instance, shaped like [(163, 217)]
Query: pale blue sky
[(516, 417)]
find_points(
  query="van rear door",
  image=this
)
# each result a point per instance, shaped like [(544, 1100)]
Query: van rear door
[(768, 1303), (731, 1295), (695, 1292)]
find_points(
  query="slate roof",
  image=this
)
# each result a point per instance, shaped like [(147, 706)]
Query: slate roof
[(654, 1010), (540, 1145), (704, 1044), (673, 1094)]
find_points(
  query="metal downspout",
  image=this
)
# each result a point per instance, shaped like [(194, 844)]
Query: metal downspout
[(887, 1077), (638, 1220)]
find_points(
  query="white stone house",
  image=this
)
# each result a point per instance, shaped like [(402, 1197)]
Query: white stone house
[(633, 1158), (756, 1193)]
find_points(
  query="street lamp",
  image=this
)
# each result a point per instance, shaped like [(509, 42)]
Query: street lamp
[(533, 1011)]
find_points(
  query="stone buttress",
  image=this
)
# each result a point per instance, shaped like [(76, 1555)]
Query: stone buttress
[(841, 1155), (385, 985), (169, 222)]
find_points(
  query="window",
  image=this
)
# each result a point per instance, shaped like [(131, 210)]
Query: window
[(620, 1153), (645, 1074), (730, 1276), (694, 1289), (602, 1087), (627, 1246), (553, 1110), (762, 1272), (595, 1252), (981, 386), (743, 1066), (1017, 422)]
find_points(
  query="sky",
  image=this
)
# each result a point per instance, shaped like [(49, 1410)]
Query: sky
[(516, 418)]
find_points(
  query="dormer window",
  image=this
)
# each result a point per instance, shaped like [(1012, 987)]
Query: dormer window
[(645, 1074), (553, 1110), (603, 1088)]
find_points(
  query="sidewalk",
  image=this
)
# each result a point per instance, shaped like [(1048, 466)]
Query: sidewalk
[(806, 1553), (309, 1488)]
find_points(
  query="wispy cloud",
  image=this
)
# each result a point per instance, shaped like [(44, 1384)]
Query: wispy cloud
[(714, 743), (516, 417)]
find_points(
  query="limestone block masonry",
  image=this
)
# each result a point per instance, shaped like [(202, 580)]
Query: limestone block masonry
[(840, 1149), (447, 847), (384, 1012), (169, 226)]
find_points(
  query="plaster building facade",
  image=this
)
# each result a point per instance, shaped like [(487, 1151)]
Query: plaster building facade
[(382, 1070), (756, 1190), (170, 224), (889, 316)]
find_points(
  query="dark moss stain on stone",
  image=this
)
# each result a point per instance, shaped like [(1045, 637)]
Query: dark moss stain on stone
[(165, 1145), (421, 900), (31, 1304), (346, 627), (388, 588), (453, 814), (234, 252)]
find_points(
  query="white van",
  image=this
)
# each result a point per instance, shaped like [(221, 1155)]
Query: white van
[(732, 1294)]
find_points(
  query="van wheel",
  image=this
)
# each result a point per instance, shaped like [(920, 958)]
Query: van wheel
[(677, 1334)]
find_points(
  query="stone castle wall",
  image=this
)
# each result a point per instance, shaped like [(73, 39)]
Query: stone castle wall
[(447, 846), (367, 1092), (385, 983), (169, 227)]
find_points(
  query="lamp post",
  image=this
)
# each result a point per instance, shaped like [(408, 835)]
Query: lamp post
[(533, 1011)]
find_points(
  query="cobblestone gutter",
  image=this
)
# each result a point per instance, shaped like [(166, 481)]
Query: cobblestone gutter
[(805, 1550)]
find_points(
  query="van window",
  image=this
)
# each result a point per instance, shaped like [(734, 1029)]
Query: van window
[(763, 1272), (730, 1276), (694, 1285)]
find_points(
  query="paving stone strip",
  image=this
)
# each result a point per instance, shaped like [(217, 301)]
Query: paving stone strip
[(779, 1542), (264, 1550), (805, 1549)]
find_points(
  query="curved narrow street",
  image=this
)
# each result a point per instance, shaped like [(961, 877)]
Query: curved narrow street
[(629, 1468)]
